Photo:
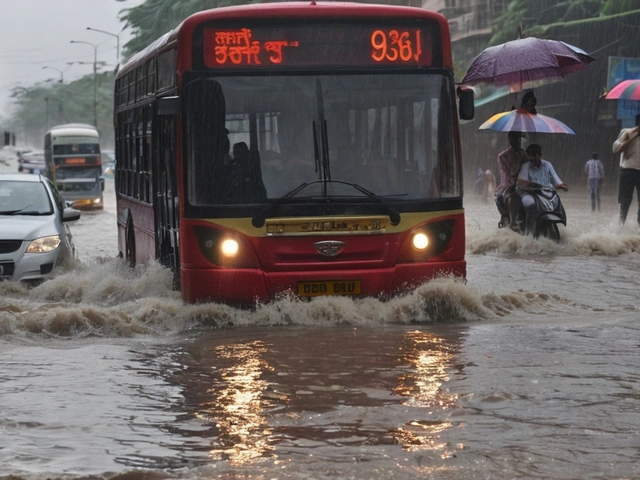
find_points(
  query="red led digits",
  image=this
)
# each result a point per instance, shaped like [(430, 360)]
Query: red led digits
[(396, 46)]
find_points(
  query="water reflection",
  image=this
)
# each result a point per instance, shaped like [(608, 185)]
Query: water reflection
[(237, 403), (279, 394), (431, 358)]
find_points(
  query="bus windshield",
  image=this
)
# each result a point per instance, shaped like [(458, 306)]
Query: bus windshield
[(77, 146), (255, 139)]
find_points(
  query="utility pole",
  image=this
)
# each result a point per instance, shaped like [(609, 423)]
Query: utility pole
[(95, 80), (117, 42)]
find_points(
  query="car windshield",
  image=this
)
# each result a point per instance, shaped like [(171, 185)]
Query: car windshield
[(24, 198)]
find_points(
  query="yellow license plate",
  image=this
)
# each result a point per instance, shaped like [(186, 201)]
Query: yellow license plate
[(329, 287)]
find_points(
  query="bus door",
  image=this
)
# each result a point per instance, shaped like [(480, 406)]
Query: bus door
[(165, 188)]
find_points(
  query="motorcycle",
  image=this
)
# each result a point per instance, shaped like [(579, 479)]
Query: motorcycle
[(550, 211)]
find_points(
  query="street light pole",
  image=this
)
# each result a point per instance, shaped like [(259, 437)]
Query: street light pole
[(46, 100), (95, 79), (117, 42)]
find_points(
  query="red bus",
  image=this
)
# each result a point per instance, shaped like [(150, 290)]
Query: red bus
[(310, 148)]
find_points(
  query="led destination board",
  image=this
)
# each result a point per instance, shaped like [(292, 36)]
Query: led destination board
[(363, 45)]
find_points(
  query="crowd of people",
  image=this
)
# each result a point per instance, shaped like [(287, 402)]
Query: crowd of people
[(519, 168)]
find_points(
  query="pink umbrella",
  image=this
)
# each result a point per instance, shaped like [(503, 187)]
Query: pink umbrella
[(625, 90), (525, 62), (522, 121)]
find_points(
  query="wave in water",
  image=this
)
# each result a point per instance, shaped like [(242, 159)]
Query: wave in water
[(109, 299)]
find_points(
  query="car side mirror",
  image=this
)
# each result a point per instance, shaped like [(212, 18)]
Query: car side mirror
[(466, 106), (70, 215)]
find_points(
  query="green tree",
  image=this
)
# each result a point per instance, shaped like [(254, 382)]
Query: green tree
[(44, 105), (153, 18), (613, 7), (40, 106), (521, 15)]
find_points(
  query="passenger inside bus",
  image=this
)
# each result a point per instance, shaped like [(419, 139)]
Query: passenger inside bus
[(243, 178), (241, 152)]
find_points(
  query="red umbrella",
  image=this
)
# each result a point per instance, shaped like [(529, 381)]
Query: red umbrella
[(625, 90), (522, 121), (523, 62)]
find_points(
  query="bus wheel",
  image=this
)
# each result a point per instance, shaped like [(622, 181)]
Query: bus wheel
[(130, 248), (168, 260)]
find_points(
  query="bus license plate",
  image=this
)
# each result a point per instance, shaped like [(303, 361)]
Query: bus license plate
[(329, 287)]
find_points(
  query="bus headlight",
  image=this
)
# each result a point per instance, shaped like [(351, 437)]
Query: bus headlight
[(44, 244), (229, 248), (420, 241), (426, 241), (224, 248)]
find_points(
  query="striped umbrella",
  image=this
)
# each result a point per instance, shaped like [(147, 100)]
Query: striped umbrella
[(625, 90), (522, 121)]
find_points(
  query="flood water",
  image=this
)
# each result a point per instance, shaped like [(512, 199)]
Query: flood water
[(529, 369)]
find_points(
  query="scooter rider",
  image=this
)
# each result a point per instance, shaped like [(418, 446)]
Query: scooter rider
[(540, 172)]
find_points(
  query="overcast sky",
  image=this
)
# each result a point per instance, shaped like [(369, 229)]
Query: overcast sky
[(38, 33)]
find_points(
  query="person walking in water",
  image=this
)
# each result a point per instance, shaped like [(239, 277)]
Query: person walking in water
[(595, 178), (628, 146)]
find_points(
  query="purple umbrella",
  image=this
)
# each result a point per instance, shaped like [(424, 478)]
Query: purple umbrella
[(523, 62)]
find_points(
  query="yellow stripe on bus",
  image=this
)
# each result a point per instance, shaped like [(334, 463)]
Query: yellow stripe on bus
[(330, 225)]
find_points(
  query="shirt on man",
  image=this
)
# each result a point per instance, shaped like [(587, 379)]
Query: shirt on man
[(544, 175), (630, 156), (594, 169), (509, 162)]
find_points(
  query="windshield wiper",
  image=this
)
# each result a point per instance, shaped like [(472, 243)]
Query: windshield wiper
[(258, 220), (394, 216), (21, 211), (30, 212)]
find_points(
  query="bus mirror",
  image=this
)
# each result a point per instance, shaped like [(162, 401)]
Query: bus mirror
[(168, 106), (466, 106)]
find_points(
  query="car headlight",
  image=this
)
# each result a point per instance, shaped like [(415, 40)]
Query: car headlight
[(44, 244)]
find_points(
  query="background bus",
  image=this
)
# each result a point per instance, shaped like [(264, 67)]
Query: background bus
[(310, 148), (73, 163)]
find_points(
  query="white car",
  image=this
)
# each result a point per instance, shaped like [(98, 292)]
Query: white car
[(31, 162), (34, 235)]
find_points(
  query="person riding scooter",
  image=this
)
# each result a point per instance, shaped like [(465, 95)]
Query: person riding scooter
[(540, 173)]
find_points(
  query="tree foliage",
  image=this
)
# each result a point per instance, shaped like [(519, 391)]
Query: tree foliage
[(46, 104), (154, 18), (614, 7), (530, 18)]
